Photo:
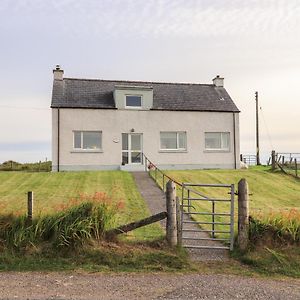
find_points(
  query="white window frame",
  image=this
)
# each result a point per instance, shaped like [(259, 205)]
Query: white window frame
[(133, 107), (81, 146), (177, 141), (218, 149)]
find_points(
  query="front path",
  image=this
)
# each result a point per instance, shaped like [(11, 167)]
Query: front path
[(156, 202)]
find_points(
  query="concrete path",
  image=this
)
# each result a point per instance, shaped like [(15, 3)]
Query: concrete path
[(154, 196), (156, 202)]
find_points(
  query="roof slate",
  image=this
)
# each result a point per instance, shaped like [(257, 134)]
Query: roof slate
[(94, 93)]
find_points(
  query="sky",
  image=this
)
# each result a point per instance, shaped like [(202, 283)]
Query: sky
[(254, 44)]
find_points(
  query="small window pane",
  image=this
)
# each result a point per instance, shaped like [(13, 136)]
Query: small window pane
[(181, 140), (212, 140), (91, 140), (133, 101), (168, 140), (124, 141), (136, 157), (225, 140), (136, 142), (77, 139), (124, 158)]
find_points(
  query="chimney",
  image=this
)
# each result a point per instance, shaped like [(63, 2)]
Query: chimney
[(58, 73), (218, 81)]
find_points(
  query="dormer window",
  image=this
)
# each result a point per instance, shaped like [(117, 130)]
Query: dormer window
[(133, 101)]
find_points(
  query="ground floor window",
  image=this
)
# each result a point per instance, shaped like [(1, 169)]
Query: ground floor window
[(173, 140), (88, 140), (217, 141)]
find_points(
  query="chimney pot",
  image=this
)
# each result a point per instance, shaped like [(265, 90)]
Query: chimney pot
[(58, 73), (218, 81)]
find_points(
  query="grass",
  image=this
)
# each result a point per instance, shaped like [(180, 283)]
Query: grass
[(275, 205), (67, 229), (52, 190), (143, 249), (104, 257), (267, 260), (270, 191)]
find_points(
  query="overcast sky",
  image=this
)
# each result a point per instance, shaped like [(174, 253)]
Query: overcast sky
[(255, 45)]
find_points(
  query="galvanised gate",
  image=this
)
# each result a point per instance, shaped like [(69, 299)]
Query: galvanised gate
[(207, 222)]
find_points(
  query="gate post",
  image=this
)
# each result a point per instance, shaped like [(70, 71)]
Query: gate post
[(171, 211), (178, 219), (243, 215)]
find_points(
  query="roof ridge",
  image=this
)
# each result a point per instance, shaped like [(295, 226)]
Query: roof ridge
[(138, 81)]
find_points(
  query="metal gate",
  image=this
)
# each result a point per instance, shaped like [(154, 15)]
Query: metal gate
[(207, 222)]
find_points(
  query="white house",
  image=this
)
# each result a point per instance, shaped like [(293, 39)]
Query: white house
[(109, 124)]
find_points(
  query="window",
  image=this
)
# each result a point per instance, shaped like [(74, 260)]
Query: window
[(133, 101), (173, 140), (217, 140), (88, 140)]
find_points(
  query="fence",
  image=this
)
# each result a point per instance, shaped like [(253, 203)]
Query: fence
[(287, 162), (249, 159)]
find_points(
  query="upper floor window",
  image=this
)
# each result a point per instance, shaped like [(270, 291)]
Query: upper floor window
[(88, 140), (173, 140), (133, 101), (217, 141)]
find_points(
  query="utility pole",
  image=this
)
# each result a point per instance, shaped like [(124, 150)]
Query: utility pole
[(257, 131)]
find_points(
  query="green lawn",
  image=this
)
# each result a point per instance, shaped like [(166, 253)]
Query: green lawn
[(52, 189), (269, 191)]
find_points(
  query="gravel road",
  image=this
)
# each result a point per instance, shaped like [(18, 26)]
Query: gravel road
[(142, 286)]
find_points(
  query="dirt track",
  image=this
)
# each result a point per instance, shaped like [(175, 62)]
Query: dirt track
[(142, 286)]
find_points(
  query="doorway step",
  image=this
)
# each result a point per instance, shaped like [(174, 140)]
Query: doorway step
[(133, 168)]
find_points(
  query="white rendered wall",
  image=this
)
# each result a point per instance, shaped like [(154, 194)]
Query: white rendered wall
[(113, 123)]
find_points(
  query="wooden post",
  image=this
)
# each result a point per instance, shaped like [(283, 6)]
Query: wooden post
[(171, 211), (273, 160), (296, 167), (30, 206), (241, 157), (178, 219), (243, 214)]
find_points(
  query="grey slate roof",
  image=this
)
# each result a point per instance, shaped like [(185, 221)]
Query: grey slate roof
[(90, 93)]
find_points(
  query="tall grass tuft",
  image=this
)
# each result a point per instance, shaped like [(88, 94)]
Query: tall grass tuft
[(74, 224), (282, 226)]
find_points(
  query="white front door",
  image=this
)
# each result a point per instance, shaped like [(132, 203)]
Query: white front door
[(132, 148)]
